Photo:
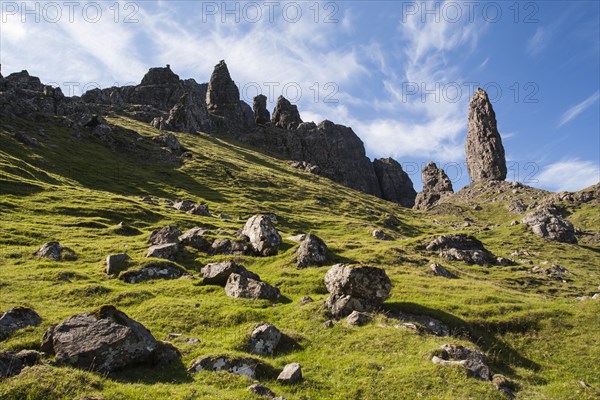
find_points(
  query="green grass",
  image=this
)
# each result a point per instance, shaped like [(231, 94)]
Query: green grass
[(532, 329)]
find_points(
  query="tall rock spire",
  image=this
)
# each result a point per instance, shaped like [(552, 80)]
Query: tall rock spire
[(484, 150)]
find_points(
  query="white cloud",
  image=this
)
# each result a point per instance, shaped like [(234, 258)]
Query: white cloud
[(538, 42), (569, 175), (574, 111)]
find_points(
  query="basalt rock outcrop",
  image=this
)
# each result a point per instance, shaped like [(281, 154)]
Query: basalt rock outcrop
[(262, 116), (286, 114), (485, 153), (436, 186), (395, 184)]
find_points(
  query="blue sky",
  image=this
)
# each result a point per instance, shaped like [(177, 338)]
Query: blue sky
[(400, 73)]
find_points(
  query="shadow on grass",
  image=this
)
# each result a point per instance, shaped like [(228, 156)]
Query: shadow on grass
[(174, 373), (502, 358)]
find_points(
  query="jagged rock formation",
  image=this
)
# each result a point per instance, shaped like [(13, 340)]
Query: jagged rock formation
[(395, 184), (223, 100), (485, 153), (286, 114), (436, 186), (187, 115), (261, 114)]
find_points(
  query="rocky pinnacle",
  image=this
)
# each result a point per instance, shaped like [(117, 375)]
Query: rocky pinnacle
[(484, 150)]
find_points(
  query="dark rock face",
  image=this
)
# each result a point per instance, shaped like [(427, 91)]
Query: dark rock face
[(188, 115), (356, 288), (547, 223), (312, 251), (218, 273), (436, 186), (223, 100), (17, 318), (115, 263), (105, 340), (12, 363), (395, 184), (261, 114), (248, 288), (462, 248), (160, 76), (485, 153), (286, 114), (196, 238), (230, 247)]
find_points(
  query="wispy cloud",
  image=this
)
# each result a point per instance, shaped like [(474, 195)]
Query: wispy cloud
[(569, 175), (574, 111), (538, 42)]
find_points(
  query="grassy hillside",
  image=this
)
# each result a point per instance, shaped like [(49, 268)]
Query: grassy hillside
[(77, 190)]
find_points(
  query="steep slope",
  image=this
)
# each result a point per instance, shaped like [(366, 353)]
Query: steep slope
[(77, 187)]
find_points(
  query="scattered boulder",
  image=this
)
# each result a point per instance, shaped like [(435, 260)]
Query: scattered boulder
[(291, 373), (554, 272), (286, 114), (238, 366), (485, 153), (436, 186), (262, 234), (230, 247), (438, 270), (395, 184), (261, 390), (167, 234), (306, 166), (105, 340), (196, 238), (183, 205), (17, 318), (218, 273), (27, 140), (264, 340), (242, 287), (471, 359), (306, 300), (188, 115), (516, 206), (12, 363), (50, 250), (545, 222), (358, 318), (261, 114), (504, 385), (165, 250), (356, 288), (390, 221), (425, 323), (169, 141), (115, 263), (462, 248), (312, 251), (154, 270), (381, 235), (199, 209)]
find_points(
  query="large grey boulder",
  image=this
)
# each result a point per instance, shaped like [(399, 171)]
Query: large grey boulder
[(115, 263), (105, 340), (230, 247), (286, 114), (485, 153), (547, 223), (291, 373), (247, 288), (356, 288), (50, 250), (218, 273), (264, 340), (395, 184), (167, 234), (436, 186), (239, 366), (263, 235), (17, 318), (312, 251), (196, 238), (461, 247), (166, 251)]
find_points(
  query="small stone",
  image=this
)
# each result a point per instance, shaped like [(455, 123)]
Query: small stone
[(328, 324), (306, 300), (381, 235), (115, 263), (291, 373), (438, 270), (357, 318), (261, 390), (264, 340)]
